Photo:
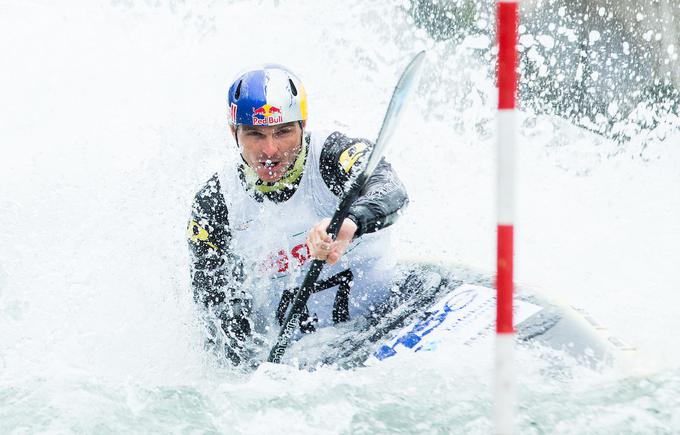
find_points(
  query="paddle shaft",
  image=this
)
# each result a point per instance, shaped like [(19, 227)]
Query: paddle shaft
[(302, 296)]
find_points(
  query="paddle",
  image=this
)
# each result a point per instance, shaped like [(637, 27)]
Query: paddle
[(401, 91)]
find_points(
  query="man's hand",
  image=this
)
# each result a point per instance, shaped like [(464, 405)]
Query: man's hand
[(322, 247)]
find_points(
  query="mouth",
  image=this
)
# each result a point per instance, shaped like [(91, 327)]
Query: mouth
[(269, 167)]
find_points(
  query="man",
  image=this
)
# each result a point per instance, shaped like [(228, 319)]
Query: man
[(255, 224)]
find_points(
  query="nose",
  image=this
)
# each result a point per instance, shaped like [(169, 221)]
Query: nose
[(269, 147)]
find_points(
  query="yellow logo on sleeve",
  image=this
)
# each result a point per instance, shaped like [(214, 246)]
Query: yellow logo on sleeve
[(197, 234), (349, 157)]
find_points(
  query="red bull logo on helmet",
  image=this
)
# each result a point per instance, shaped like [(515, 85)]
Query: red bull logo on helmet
[(267, 115)]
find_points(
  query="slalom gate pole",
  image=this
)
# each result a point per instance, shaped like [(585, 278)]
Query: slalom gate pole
[(507, 20)]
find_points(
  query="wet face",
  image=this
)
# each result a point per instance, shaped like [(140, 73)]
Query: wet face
[(269, 150)]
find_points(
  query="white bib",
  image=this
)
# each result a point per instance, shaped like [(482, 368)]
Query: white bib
[(270, 240)]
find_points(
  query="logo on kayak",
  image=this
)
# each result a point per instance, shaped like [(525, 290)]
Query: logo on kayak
[(413, 338), (267, 115)]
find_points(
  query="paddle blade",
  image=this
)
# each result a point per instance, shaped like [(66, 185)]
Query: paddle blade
[(401, 93)]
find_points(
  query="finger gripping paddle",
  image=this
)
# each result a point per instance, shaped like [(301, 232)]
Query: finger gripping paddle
[(401, 91)]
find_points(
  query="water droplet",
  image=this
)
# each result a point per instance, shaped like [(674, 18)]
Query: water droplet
[(612, 109), (593, 37)]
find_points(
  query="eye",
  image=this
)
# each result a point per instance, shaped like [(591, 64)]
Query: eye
[(284, 131)]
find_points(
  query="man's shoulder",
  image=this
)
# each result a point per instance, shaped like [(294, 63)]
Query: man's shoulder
[(335, 139), (339, 147), (338, 154), (210, 188), (209, 199), (207, 230)]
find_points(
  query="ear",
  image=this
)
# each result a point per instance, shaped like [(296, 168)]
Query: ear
[(304, 124), (233, 130)]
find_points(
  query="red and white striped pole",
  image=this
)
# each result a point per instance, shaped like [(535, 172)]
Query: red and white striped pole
[(507, 20)]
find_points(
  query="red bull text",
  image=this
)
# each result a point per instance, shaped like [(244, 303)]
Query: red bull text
[(267, 115)]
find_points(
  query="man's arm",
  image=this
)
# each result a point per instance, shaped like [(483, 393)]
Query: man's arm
[(383, 196), (208, 237), (216, 273), (378, 205)]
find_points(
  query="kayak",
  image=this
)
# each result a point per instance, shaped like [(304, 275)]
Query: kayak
[(434, 305)]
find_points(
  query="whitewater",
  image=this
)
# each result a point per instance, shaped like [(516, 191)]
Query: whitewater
[(114, 115)]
